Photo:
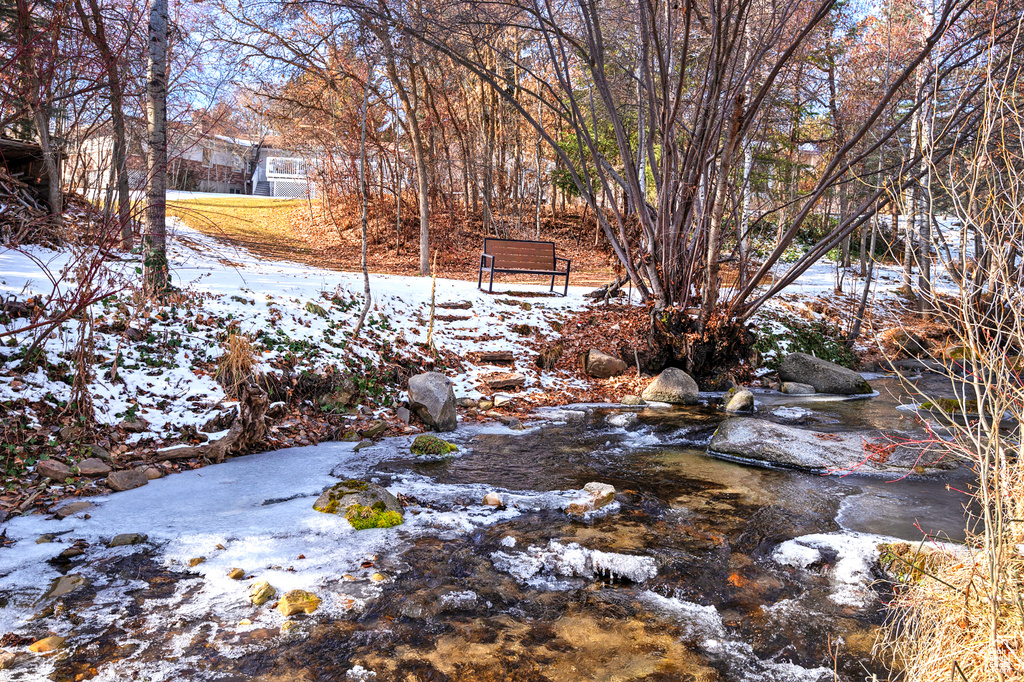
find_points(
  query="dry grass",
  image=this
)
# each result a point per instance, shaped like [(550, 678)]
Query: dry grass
[(947, 630), (238, 364)]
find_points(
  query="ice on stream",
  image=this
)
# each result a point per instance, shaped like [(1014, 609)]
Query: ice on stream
[(573, 561), (851, 572), (703, 625)]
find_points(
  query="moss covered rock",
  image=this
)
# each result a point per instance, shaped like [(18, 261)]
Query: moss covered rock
[(431, 445), (365, 505)]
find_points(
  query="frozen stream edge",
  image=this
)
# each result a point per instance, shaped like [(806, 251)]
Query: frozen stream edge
[(259, 507)]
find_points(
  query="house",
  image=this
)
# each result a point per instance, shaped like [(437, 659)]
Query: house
[(196, 162), (279, 172)]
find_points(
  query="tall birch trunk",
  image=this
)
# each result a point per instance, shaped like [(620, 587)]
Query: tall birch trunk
[(155, 239)]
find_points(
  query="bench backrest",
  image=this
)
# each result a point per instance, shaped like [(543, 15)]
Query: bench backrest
[(517, 254)]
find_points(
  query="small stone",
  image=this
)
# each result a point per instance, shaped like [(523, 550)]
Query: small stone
[(793, 388), (601, 365), (501, 400), (153, 473), (126, 479), (404, 414), (195, 561), (515, 425), (8, 659), (598, 495), (72, 509), (297, 601), (261, 592), (740, 400), (47, 644), (53, 469), (378, 577), (348, 576), (287, 625), (492, 500), (134, 426), (127, 539), (244, 621), (71, 553), (375, 429), (219, 546), (632, 400), (362, 445), (45, 538), (236, 573), (465, 402), (98, 452), (93, 467), (485, 404), (66, 584)]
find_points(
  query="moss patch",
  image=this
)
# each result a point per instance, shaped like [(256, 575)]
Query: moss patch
[(431, 445), (376, 516), (951, 405)]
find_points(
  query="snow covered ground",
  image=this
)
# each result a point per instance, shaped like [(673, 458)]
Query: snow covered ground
[(285, 308)]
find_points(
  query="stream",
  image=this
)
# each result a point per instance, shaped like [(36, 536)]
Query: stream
[(702, 569)]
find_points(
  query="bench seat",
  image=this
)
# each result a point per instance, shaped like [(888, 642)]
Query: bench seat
[(521, 257)]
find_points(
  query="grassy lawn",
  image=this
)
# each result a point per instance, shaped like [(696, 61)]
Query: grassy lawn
[(263, 226)]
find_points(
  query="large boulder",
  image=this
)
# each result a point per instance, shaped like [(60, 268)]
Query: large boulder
[(432, 398), (672, 386), (600, 365), (824, 376), (769, 444), (365, 505)]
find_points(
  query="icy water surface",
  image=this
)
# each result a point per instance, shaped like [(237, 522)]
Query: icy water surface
[(701, 569)]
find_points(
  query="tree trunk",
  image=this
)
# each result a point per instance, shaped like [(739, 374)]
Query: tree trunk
[(155, 239), (363, 199)]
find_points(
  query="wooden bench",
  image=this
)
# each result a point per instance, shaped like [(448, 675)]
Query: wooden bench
[(521, 257)]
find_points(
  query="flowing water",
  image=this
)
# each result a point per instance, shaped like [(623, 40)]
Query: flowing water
[(701, 569)]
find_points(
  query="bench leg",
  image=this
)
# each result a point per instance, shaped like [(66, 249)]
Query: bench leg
[(490, 290), (552, 283), (480, 278), (566, 292)]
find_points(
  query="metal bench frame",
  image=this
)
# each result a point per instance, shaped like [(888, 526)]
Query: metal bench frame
[(489, 266)]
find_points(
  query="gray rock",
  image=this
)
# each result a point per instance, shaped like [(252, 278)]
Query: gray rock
[(405, 415), (770, 444), (127, 479), (501, 400), (432, 399), (632, 401), (93, 467), (794, 388), (465, 402), (153, 473), (134, 426), (740, 401), (672, 386), (72, 508), (600, 365), (125, 539), (99, 452), (824, 376), (51, 468)]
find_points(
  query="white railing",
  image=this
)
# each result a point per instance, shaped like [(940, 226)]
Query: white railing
[(285, 168)]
